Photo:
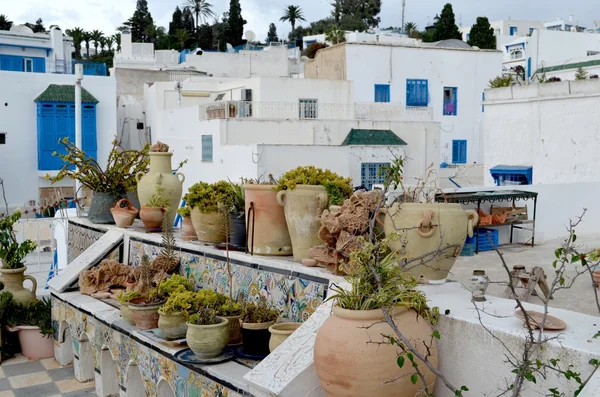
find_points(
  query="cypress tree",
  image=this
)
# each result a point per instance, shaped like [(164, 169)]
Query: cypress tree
[(446, 28)]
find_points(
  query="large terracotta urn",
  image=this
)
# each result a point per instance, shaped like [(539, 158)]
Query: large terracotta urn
[(13, 282), (208, 226), (427, 228), (267, 229), (161, 173), (303, 206), (352, 359)]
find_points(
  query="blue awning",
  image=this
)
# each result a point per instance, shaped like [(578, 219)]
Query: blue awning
[(521, 174)]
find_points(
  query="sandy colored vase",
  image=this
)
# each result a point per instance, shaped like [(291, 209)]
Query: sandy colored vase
[(187, 228), (34, 345), (235, 330), (13, 283), (144, 315), (125, 313), (348, 366), (208, 341), (208, 227), (280, 332), (424, 225), (161, 173), (303, 206), (152, 217), (270, 234), (173, 326), (124, 213)]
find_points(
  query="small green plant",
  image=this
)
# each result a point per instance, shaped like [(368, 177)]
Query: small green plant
[(208, 197), (270, 180), (205, 316), (501, 81), (176, 284), (157, 199), (581, 74), (126, 297), (229, 309), (36, 314), (182, 302), (13, 253), (238, 207), (184, 211), (259, 312), (338, 188), (210, 299)]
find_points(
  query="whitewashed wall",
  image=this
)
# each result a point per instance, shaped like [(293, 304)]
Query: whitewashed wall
[(18, 119)]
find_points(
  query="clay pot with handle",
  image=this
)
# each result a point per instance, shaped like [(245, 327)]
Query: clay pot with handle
[(303, 206), (152, 217), (13, 282), (124, 213)]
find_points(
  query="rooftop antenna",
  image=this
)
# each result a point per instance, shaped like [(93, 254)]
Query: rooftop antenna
[(403, 9)]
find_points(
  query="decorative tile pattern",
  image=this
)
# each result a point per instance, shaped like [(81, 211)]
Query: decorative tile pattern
[(79, 239), (296, 298)]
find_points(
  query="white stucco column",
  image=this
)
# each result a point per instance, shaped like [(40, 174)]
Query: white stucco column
[(78, 139)]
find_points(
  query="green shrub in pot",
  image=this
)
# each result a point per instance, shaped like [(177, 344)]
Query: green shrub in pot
[(206, 200), (256, 320), (174, 314), (124, 299), (207, 333)]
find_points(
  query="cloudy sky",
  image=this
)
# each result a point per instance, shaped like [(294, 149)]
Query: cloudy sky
[(106, 15)]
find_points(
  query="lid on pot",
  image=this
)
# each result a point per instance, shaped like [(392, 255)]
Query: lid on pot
[(478, 272)]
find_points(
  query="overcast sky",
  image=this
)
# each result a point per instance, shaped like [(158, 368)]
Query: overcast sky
[(106, 15)]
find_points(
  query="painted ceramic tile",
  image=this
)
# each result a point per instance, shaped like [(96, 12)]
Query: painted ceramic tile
[(295, 297), (79, 239)]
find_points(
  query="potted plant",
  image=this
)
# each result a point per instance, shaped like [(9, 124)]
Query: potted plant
[(124, 310), (232, 311), (187, 226), (280, 332), (154, 209), (205, 200), (108, 185), (357, 344), (207, 333), (33, 322), (267, 229), (304, 193), (237, 216), (168, 260), (144, 310), (12, 259), (256, 320), (124, 213), (174, 314)]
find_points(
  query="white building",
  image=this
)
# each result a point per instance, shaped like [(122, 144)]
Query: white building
[(552, 128), (143, 56), (506, 30), (379, 36), (566, 69), (448, 77), (36, 111), (21, 50), (230, 128), (565, 26)]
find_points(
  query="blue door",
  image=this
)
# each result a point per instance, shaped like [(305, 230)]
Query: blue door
[(382, 92), (513, 30)]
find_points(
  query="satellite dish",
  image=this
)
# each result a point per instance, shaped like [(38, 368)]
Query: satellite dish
[(250, 35)]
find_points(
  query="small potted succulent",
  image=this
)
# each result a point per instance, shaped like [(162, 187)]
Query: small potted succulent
[(206, 201), (154, 210), (144, 310), (232, 311), (124, 299), (256, 320), (176, 310), (207, 333), (187, 226)]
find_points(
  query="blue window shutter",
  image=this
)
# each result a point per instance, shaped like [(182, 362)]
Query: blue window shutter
[(513, 30), (372, 173), (459, 151), (417, 92), (88, 130), (207, 148), (39, 65), (47, 142), (382, 93)]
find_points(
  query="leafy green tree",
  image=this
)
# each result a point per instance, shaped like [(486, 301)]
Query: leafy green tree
[(140, 21), (182, 36), (235, 23), (297, 34), (366, 10), (272, 34), (482, 35), (428, 36), (201, 8), (77, 35), (292, 14), (188, 20), (335, 35), (581, 74), (5, 23), (353, 23), (446, 28), (412, 30), (205, 40), (176, 21), (37, 27), (97, 35), (222, 42), (87, 37)]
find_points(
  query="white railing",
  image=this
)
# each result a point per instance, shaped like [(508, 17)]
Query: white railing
[(313, 110)]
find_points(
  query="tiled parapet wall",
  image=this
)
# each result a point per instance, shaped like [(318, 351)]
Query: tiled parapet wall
[(80, 238), (296, 295)]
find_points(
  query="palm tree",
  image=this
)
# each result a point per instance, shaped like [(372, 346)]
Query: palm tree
[(87, 37), (5, 23), (109, 43), (409, 27), (182, 36), (201, 8), (102, 43), (97, 35), (77, 35), (117, 37), (292, 14), (335, 35)]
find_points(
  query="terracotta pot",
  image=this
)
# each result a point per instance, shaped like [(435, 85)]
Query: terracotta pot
[(303, 206), (280, 332), (145, 315), (208, 341), (13, 283), (208, 227), (235, 331), (256, 338), (271, 235), (126, 313), (34, 345), (100, 206), (173, 326), (161, 173), (124, 213), (152, 217), (187, 227), (425, 225), (349, 366)]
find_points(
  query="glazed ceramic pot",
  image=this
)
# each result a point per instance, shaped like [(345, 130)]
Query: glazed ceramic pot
[(124, 213), (144, 315), (125, 313), (13, 283), (303, 206), (422, 227), (100, 206), (238, 232), (280, 332), (34, 345), (209, 227), (235, 330), (187, 228), (173, 326), (208, 341), (348, 365), (267, 229), (152, 217), (256, 338), (161, 173)]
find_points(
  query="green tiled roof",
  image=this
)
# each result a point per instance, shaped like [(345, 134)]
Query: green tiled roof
[(64, 93), (372, 137)]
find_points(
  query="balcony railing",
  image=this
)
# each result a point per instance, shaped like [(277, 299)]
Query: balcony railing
[(313, 110), (60, 66)]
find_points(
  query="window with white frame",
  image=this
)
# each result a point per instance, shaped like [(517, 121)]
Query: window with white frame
[(207, 148), (307, 108), (516, 53), (28, 65)]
